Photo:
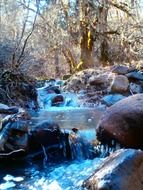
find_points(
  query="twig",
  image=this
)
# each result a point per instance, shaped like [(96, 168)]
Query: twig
[(12, 152)]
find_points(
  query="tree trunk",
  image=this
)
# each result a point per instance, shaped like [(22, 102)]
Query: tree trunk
[(70, 60), (57, 67), (86, 45), (102, 17), (86, 39)]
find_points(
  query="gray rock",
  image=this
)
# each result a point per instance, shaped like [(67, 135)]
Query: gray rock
[(122, 170), (135, 75), (135, 88), (112, 99), (120, 69)]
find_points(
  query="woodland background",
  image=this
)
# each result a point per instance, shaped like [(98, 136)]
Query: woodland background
[(50, 38)]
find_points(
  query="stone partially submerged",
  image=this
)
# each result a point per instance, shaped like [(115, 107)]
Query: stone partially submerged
[(123, 122), (122, 170), (19, 141), (14, 133)]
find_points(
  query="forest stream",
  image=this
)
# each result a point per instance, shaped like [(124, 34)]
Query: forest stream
[(71, 95), (62, 175)]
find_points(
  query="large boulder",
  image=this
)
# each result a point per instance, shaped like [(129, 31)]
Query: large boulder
[(123, 122), (122, 170), (46, 134), (46, 139), (20, 141), (120, 84)]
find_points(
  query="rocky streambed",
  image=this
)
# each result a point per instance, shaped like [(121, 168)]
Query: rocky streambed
[(118, 134), (105, 86)]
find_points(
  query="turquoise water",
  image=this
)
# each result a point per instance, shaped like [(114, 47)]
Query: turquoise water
[(65, 176)]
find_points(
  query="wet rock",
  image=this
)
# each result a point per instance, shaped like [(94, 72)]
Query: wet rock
[(46, 134), (112, 99), (57, 100), (4, 109), (43, 140), (135, 75), (120, 84), (123, 122), (135, 88), (20, 116), (49, 95), (122, 170), (97, 80), (14, 133), (8, 110), (120, 69), (18, 136)]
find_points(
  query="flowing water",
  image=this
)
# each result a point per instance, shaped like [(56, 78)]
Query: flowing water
[(67, 175), (59, 176)]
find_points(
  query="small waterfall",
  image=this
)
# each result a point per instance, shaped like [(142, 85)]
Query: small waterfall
[(84, 146), (81, 147)]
